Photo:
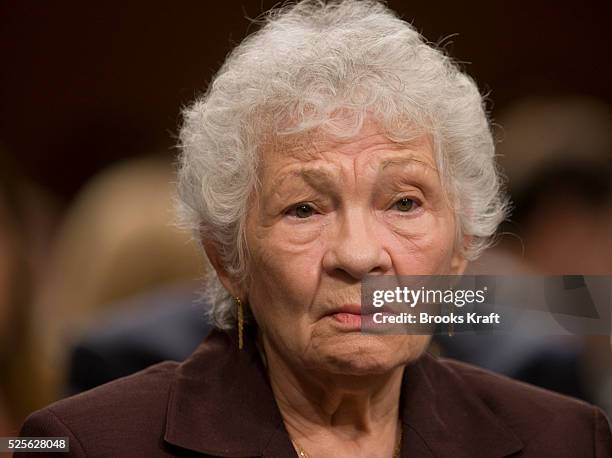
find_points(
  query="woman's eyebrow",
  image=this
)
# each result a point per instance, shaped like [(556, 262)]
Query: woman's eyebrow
[(401, 161), (315, 177)]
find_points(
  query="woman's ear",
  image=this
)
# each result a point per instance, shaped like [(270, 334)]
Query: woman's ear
[(212, 252), (458, 261), (458, 264)]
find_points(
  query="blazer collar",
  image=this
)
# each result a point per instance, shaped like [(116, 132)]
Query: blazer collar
[(222, 404)]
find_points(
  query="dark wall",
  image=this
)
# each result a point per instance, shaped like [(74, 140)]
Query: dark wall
[(84, 84)]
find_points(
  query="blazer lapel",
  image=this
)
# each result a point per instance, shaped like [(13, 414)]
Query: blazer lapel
[(221, 403), (442, 416)]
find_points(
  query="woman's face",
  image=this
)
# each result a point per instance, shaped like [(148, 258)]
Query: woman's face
[(326, 217)]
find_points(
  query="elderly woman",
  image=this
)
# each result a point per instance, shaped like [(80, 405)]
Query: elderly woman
[(333, 144)]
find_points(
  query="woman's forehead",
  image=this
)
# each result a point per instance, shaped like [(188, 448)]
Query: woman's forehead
[(324, 161), (369, 143)]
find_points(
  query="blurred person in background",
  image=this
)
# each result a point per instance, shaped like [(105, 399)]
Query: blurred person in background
[(557, 153), (117, 241), (163, 324), (27, 220)]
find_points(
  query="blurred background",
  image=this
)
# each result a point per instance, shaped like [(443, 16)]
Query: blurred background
[(96, 282)]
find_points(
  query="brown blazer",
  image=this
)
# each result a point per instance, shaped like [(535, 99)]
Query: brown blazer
[(219, 403)]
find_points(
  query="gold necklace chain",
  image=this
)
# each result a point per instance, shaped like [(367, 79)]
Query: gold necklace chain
[(396, 450)]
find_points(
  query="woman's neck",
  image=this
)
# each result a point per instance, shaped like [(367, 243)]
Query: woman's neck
[(327, 411)]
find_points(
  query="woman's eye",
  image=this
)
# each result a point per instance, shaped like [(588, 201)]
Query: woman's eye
[(302, 211), (405, 204)]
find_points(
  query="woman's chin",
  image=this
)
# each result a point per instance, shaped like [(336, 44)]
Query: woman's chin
[(361, 354)]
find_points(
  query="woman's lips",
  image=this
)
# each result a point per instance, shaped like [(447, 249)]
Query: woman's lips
[(349, 319), (348, 315)]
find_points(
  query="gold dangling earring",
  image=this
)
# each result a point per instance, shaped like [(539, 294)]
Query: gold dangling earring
[(240, 323)]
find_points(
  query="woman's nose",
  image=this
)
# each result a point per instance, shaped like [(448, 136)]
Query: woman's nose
[(355, 247)]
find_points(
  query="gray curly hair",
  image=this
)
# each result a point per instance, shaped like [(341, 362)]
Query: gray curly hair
[(326, 66)]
